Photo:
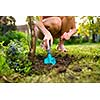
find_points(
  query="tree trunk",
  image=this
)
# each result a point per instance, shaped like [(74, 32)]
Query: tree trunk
[(33, 40), (33, 44)]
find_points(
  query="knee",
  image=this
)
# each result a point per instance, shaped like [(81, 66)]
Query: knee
[(57, 21)]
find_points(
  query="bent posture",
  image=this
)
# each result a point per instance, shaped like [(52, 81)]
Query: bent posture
[(51, 27)]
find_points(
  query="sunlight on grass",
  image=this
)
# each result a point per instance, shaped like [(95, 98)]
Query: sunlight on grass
[(84, 67)]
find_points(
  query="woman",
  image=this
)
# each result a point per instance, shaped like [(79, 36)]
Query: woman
[(51, 27)]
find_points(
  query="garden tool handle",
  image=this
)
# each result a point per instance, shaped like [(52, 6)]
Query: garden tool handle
[(48, 47), (48, 51)]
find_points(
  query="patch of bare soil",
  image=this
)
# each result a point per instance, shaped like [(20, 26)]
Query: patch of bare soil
[(61, 65)]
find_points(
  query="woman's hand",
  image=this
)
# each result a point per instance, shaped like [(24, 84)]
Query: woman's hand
[(67, 36), (47, 41)]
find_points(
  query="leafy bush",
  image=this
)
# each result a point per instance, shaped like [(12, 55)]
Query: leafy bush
[(75, 40), (14, 52), (4, 68), (17, 57), (11, 35)]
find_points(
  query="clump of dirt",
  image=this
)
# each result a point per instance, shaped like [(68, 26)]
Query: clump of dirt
[(77, 69), (61, 65)]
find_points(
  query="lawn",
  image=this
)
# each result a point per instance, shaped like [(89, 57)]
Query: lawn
[(80, 64)]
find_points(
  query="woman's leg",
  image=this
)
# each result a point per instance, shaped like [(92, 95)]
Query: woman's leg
[(61, 46)]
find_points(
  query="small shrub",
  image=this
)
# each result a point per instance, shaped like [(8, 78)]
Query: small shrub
[(4, 67), (12, 35), (17, 57)]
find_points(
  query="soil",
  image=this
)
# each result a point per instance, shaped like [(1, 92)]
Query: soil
[(61, 65)]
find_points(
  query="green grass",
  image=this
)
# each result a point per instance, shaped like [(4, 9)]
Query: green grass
[(86, 58)]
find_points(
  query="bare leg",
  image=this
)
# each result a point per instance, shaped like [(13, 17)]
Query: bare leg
[(65, 36), (61, 46), (53, 24)]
